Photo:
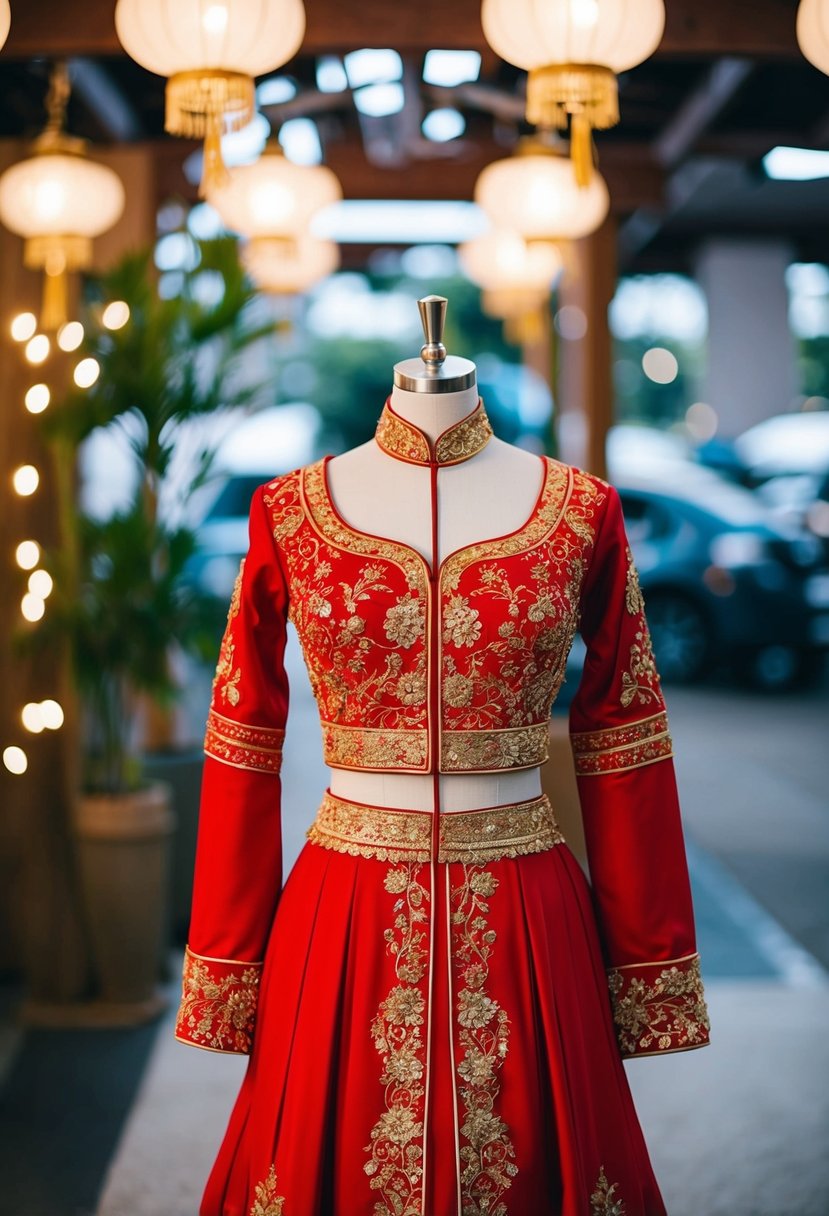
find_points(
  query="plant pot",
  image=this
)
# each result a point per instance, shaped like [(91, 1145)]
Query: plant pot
[(123, 845)]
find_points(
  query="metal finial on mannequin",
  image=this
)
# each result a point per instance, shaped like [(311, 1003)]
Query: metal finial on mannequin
[(434, 371)]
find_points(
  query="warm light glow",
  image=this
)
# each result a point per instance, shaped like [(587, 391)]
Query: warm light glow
[(23, 326), (274, 197), (615, 33), (27, 554), (660, 365), (248, 36), (15, 760), (52, 714), (701, 420), (116, 314), (60, 195), (214, 19), (536, 192), (813, 33), (37, 348), (25, 479), (37, 398), (86, 372), (40, 583), (286, 268), (32, 607), (31, 717), (70, 335), (501, 260)]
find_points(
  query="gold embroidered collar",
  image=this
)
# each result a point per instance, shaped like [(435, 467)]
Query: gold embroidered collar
[(406, 441)]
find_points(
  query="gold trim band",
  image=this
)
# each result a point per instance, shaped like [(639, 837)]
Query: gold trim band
[(484, 751), (389, 834)]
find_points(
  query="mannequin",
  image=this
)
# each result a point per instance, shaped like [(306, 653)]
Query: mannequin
[(485, 496)]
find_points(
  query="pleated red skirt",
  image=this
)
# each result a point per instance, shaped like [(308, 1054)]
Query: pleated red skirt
[(433, 1038)]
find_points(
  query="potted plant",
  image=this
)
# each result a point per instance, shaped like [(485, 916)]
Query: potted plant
[(123, 602)]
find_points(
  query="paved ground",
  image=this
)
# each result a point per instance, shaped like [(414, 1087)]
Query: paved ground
[(129, 1126)]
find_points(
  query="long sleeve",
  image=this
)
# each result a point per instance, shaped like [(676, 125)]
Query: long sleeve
[(623, 752), (238, 869)]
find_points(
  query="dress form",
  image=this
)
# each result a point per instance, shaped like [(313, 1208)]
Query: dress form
[(485, 496)]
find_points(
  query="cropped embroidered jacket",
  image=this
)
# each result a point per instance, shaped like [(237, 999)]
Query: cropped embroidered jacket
[(453, 670)]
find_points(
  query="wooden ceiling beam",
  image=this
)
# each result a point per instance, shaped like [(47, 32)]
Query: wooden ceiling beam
[(632, 177), (762, 29)]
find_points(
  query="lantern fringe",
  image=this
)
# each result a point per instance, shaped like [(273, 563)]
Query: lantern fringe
[(560, 89), (202, 104)]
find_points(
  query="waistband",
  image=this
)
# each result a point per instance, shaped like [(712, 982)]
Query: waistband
[(390, 834)]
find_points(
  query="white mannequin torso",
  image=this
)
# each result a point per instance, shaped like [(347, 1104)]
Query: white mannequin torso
[(483, 497)]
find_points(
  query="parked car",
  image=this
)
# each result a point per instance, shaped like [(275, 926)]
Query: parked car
[(723, 581)]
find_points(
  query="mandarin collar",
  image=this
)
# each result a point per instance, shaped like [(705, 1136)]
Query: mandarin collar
[(401, 438)]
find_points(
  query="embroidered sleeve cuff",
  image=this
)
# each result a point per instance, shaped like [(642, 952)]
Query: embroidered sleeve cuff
[(218, 1003), (659, 1007), (619, 748), (243, 746)]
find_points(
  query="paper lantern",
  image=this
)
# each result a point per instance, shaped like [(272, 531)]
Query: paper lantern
[(536, 193), (573, 51), (288, 268), (210, 51)]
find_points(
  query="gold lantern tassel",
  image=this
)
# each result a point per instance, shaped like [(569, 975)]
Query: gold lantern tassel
[(581, 148), (53, 310), (214, 169)]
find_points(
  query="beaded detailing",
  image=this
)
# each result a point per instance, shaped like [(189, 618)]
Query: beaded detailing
[(617, 748), (241, 745), (403, 439), (485, 834)]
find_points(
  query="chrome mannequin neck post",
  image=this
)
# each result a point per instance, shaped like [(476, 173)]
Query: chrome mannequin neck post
[(434, 371)]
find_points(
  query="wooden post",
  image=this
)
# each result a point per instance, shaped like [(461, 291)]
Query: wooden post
[(585, 373)]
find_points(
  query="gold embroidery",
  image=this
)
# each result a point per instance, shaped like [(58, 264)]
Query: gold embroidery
[(634, 600), (465, 438), (666, 1013), (268, 1203), (403, 439), (242, 745), (395, 1166), (226, 680), (603, 1201), (641, 680), (480, 835), (489, 750), (499, 671), (488, 1168), (362, 747), (499, 831), (218, 1003), (617, 748), (557, 485)]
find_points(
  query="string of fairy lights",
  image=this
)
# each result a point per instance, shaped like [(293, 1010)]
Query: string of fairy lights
[(37, 347)]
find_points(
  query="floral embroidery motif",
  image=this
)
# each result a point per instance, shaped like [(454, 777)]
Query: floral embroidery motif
[(363, 748), (460, 622), (404, 621), (603, 1201), (634, 600), (268, 1203), (226, 680), (665, 1011), (397, 436), (484, 1027), (218, 1003), (641, 681), (618, 748), (242, 745), (395, 1166), (480, 835), (489, 750)]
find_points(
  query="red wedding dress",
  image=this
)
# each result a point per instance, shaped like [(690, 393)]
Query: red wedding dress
[(436, 1005)]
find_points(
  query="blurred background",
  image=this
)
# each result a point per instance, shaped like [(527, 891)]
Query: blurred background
[(214, 228)]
